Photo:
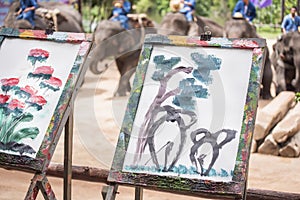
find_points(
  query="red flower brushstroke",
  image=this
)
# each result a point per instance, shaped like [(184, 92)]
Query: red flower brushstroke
[(30, 90), (39, 100), (197, 41), (53, 83), (37, 55), (4, 98), (245, 43), (15, 103), (44, 72), (10, 81)]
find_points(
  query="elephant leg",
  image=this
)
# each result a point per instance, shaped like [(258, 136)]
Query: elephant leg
[(296, 81), (124, 83), (289, 75), (126, 65), (267, 80), (280, 77)]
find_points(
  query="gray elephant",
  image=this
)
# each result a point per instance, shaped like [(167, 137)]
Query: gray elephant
[(286, 60), (61, 16), (241, 28), (176, 24), (111, 40)]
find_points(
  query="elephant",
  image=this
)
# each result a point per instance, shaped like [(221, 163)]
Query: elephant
[(110, 39), (286, 61), (241, 28), (55, 15), (175, 23)]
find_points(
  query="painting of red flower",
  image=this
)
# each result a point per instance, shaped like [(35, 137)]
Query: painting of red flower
[(37, 55)]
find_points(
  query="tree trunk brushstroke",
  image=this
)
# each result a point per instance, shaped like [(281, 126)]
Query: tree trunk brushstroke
[(167, 153), (210, 138), (156, 104), (172, 115)]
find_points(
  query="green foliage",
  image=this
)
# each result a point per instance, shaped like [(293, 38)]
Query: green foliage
[(218, 10), (31, 133), (297, 97), (10, 123), (270, 14)]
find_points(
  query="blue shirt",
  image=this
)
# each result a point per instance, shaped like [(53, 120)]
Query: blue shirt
[(290, 24), (193, 2), (124, 10), (28, 3), (249, 14), (126, 6)]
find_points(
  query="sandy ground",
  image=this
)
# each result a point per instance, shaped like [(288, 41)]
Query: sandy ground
[(98, 117)]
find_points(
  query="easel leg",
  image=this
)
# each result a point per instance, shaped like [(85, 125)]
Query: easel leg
[(46, 189), (40, 181), (138, 193), (111, 192), (68, 155)]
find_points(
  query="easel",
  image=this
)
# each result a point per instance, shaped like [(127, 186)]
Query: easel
[(62, 119), (40, 181), (184, 179)]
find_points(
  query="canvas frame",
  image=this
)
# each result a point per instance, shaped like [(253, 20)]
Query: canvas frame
[(65, 102), (205, 188)]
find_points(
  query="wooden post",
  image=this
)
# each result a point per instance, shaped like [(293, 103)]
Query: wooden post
[(138, 193), (68, 155)]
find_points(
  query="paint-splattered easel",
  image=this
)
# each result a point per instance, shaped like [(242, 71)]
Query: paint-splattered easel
[(157, 60), (62, 118)]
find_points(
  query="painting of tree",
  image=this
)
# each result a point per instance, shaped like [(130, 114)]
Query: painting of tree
[(181, 112)]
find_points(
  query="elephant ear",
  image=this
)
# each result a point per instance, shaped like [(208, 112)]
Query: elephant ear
[(23, 134)]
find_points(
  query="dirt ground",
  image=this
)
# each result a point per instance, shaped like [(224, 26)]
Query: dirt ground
[(98, 117)]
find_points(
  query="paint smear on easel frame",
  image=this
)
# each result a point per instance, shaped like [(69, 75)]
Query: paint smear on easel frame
[(32, 78), (190, 113)]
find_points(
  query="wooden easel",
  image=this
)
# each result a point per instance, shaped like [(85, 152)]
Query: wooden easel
[(40, 181), (125, 171), (62, 118)]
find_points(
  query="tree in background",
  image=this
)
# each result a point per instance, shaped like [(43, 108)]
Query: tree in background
[(218, 10), (156, 9)]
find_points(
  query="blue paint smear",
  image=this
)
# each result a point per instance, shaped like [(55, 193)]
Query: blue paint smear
[(180, 169), (188, 91), (163, 66), (205, 64)]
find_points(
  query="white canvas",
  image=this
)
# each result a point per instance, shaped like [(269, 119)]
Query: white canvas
[(222, 109), (14, 64)]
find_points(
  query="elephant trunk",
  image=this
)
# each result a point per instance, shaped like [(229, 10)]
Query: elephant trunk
[(97, 55)]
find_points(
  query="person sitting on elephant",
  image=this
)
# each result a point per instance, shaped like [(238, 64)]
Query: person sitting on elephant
[(27, 11), (188, 9), (246, 8), (291, 22), (120, 11)]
